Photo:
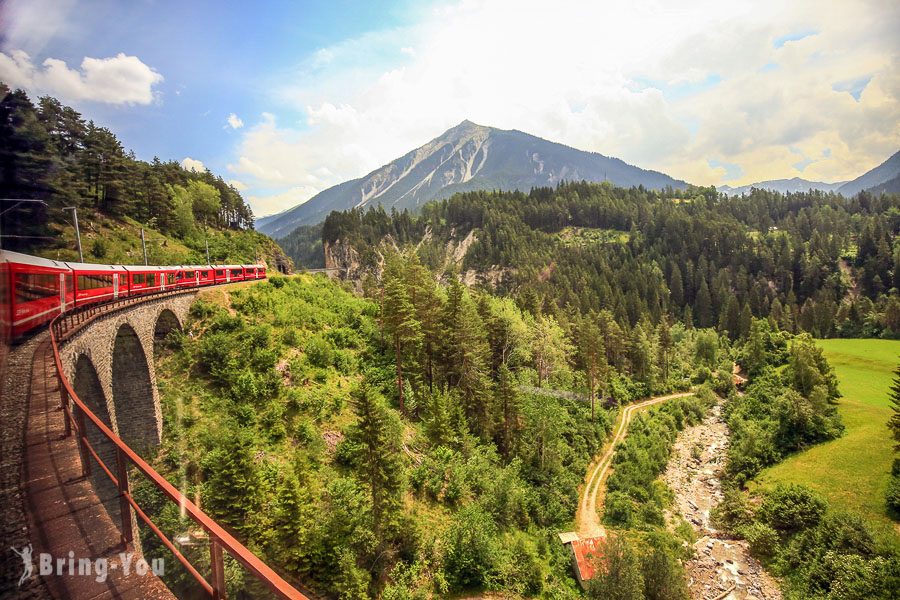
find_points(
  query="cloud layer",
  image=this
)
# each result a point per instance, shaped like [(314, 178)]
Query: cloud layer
[(757, 89), (118, 79)]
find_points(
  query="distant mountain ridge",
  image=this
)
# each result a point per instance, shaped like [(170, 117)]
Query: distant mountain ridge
[(881, 174), (465, 158), (783, 186), (883, 178)]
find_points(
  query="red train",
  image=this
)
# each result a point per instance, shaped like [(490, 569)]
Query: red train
[(33, 290)]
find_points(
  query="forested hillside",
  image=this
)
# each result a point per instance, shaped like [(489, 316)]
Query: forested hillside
[(49, 152), (812, 262), (409, 444)]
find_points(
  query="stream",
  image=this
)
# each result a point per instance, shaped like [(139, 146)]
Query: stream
[(721, 568)]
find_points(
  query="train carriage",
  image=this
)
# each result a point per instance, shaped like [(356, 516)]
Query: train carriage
[(234, 273), (34, 290), (38, 289), (144, 280), (196, 276), (98, 283)]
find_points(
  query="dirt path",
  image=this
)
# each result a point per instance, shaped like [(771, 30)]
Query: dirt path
[(587, 519), (721, 568)]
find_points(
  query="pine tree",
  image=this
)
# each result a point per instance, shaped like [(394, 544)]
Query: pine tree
[(379, 464), (703, 306), (676, 287), (894, 422), (745, 321), (509, 411), (400, 323)]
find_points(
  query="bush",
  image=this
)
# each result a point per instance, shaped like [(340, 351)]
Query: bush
[(99, 248), (319, 352), (791, 508), (469, 556), (892, 496), (763, 540), (733, 511)]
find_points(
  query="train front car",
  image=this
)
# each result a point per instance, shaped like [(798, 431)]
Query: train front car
[(98, 283), (37, 290)]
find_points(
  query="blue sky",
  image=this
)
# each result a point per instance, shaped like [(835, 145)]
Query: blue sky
[(288, 98)]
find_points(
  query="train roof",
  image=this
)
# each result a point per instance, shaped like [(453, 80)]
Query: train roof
[(27, 259), (146, 268), (76, 266)]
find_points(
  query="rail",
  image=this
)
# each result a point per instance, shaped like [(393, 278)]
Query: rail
[(75, 413)]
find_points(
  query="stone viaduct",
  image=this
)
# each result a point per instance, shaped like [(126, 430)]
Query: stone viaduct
[(110, 366)]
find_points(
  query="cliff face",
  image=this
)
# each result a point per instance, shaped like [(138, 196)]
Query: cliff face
[(352, 264), (341, 255)]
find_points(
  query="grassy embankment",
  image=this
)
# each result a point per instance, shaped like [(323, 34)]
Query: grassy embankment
[(852, 472), (118, 241)]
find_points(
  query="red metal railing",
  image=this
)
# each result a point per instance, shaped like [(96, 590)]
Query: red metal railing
[(75, 411)]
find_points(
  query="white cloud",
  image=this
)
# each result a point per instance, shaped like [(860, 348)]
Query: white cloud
[(190, 164), (29, 25), (234, 121), (119, 79), (579, 74), (237, 184), (269, 205)]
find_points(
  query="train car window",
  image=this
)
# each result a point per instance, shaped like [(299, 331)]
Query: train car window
[(170, 277), (151, 279), (93, 282), (139, 279), (236, 272), (34, 286), (204, 274), (221, 272), (189, 275)]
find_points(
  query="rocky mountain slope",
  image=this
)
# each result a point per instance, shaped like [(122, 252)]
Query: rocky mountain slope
[(464, 158)]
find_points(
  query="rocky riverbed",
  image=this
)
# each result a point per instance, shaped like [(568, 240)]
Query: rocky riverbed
[(721, 568)]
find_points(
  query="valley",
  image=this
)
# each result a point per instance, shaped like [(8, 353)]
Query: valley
[(721, 566)]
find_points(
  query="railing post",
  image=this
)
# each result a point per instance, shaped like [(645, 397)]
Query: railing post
[(218, 568), (64, 403), (82, 442), (124, 505)]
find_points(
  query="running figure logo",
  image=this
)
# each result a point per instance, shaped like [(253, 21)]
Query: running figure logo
[(25, 555)]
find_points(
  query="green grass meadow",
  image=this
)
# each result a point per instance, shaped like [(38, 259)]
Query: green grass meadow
[(852, 471)]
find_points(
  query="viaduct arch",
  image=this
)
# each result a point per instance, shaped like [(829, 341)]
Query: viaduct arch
[(110, 365)]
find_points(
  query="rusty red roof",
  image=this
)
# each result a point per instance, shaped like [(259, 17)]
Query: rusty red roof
[(587, 552)]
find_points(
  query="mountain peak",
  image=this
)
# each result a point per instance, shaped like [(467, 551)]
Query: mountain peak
[(466, 157)]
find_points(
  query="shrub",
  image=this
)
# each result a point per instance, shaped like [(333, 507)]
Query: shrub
[(763, 540), (791, 508), (469, 556), (733, 511), (319, 352), (892, 496), (99, 248)]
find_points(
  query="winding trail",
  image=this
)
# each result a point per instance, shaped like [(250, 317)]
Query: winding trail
[(587, 519)]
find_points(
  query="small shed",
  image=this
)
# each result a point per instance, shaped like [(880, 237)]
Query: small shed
[(585, 554)]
